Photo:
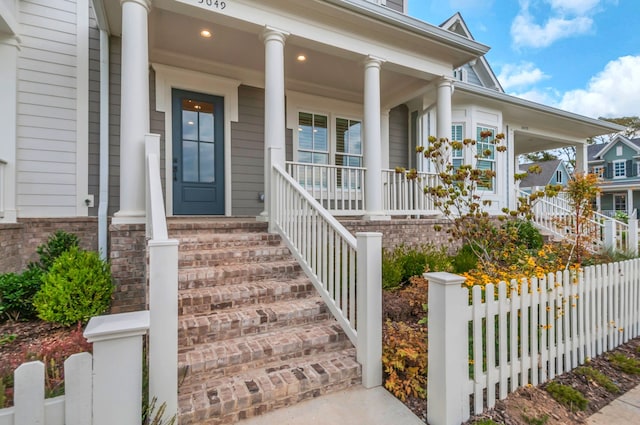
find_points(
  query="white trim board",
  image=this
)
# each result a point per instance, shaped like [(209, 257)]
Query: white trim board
[(169, 77)]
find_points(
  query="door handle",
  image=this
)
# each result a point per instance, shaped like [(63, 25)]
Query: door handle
[(175, 169)]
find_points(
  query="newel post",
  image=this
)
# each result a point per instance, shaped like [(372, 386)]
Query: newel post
[(369, 307), (632, 244), (117, 367), (448, 349), (609, 235)]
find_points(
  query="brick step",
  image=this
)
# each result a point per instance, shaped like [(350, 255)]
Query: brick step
[(230, 399), (227, 240), (184, 226), (227, 256), (236, 274), (216, 298), (249, 320), (225, 358)]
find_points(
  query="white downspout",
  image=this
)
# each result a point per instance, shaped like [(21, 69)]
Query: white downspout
[(103, 205)]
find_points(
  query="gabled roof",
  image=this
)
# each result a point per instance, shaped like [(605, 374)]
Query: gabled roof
[(597, 152), (548, 169), (481, 67)]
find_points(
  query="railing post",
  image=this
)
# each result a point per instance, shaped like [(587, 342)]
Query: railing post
[(448, 349), (369, 307), (632, 236), (609, 235), (117, 367), (152, 147), (163, 331), (272, 199)]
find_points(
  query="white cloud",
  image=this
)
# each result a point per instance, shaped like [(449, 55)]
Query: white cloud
[(613, 92), (526, 33), (522, 74), (577, 7)]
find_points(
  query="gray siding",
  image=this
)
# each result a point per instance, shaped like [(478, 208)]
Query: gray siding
[(247, 152), (398, 136), (396, 5), (94, 111), (114, 124)]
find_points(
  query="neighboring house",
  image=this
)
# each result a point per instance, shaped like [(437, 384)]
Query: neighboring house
[(617, 163), (553, 172)]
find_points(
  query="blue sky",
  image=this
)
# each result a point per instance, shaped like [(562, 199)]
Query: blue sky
[(578, 55)]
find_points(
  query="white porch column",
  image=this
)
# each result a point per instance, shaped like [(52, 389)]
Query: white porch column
[(373, 140), (445, 89), (629, 202), (134, 112), (9, 46), (274, 115), (582, 158)]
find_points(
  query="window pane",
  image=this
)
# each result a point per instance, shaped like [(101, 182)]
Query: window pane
[(207, 164), (355, 138), (189, 161), (342, 136), (206, 127), (305, 130), (320, 139), (304, 157), (320, 158), (189, 125)]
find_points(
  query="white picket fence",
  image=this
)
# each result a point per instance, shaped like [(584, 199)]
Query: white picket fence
[(519, 333), (100, 389)]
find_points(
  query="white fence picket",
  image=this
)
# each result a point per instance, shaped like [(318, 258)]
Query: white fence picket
[(78, 385), (29, 394), (536, 329)]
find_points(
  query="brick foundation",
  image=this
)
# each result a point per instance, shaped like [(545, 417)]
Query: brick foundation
[(128, 257), (18, 242), (408, 232)]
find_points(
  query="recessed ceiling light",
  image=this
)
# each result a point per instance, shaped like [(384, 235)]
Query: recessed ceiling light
[(205, 33), (301, 58)]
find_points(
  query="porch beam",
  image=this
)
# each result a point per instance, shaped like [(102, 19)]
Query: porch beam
[(134, 114), (373, 139), (274, 107)]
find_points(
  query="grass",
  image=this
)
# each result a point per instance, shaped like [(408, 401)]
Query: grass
[(485, 422), (573, 399), (599, 378), (533, 420), (624, 363)]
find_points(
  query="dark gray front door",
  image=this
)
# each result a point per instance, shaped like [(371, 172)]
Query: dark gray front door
[(198, 153)]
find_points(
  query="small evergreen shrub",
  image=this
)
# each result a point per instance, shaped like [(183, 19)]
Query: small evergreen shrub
[(625, 364), (57, 244), (567, 396), (17, 292), (528, 234), (599, 378), (464, 260), (391, 271), (77, 287)]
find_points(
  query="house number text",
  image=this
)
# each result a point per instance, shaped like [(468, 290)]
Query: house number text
[(214, 4)]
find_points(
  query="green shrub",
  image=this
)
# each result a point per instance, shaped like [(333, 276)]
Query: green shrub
[(413, 263), (56, 245), (464, 260), (599, 378), (17, 292), (391, 272), (528, 234), (77, 287), (626, 364), (567, 396)]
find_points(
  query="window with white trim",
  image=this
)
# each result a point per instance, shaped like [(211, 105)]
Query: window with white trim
[(457, 155), (598, 170), (618, 150), (620, 202), (486, 156), (313, 138), (348, 150), (619, 169)]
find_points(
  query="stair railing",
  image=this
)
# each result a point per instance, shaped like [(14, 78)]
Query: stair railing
[(162, 274), (555, 215), (345, 270)]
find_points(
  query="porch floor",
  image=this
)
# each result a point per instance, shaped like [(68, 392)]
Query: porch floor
[(356, 405)]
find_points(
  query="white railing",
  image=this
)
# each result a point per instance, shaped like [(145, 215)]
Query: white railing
[(340, 190), (406, 196), (555, 215), (162, 274), (102, 389), (527, 333), (345, 270), (3, 164)]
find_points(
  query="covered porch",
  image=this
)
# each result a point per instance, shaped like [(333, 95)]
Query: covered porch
[(297, 87)]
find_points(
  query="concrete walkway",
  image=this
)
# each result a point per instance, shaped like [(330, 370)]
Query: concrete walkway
[(625, 410), (354, 406)]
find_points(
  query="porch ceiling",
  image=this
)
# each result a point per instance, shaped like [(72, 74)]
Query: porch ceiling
[(334, 35)]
